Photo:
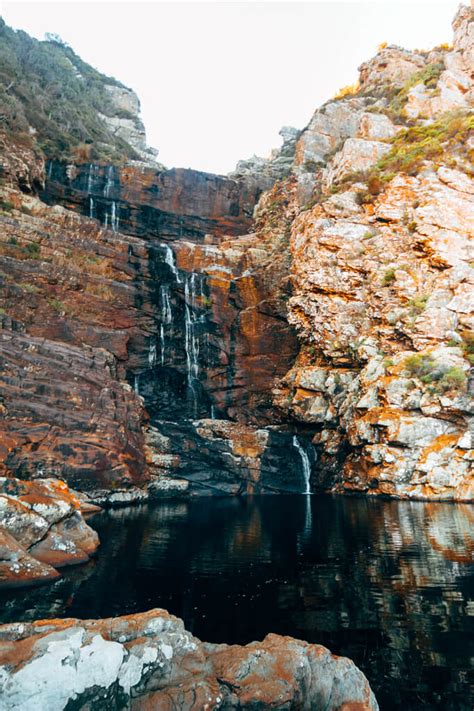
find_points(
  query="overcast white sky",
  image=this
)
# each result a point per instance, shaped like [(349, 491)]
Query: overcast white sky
[(217, 80)]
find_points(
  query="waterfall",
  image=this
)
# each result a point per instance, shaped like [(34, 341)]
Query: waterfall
[(191, 338), (91, 207), (152, 355), (114, 219), (166, 312), (109, 181), (136, 383), (169, 260), (166, 318), (162, 344), (50, 169), (305, 463)]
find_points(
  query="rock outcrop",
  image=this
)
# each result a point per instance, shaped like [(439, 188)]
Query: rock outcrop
[(58, 105), (41, 529), (150, 661), (383, 278)]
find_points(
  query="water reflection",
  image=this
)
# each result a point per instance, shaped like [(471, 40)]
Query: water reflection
[(390, 584)]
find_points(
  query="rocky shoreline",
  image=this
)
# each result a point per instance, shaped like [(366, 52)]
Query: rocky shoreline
[(149, 661)]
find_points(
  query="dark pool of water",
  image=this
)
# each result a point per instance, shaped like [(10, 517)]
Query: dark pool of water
[(389, 584)]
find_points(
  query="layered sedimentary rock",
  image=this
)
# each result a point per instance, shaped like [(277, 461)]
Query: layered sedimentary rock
[(41, 529), (150, 661), (197, 330), (164, 204)]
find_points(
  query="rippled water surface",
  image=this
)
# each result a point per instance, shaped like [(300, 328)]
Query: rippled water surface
[(389, 584)]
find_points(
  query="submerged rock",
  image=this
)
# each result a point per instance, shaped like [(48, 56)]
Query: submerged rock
[(149, 661)]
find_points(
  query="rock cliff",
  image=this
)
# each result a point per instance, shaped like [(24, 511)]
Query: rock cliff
[(304, 323), (383, 277)]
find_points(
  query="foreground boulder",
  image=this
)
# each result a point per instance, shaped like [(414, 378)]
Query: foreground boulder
[(149, 661), (41, 529)]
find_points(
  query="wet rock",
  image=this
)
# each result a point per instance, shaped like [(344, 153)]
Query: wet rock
[(150, 661)]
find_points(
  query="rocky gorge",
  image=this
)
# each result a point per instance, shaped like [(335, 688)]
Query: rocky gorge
[(304, 324)]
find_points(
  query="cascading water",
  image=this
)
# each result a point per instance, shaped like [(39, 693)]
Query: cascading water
[(136, 383), (109, 181), (114, 218), (92, 178), (191, 336), (166, 318), (305, 464), (152, 355), (91, 181), (169, 260)]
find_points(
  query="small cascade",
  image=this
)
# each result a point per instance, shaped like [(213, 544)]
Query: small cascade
[(305, 464), (166, 318), (162, 344), (50, 169), (136, 383), (91, 206), (152, 355), (109, 181), (169, 260), (114, 218), (191, 338), (92, 178)]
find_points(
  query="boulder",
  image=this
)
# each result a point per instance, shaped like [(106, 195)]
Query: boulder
[(149, 661)]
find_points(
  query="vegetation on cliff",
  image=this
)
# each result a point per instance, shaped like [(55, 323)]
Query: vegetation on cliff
[(51, 97)]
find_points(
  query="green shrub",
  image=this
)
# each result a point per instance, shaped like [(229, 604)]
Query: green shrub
[(32, 249), (429, 371), (30, 288), (389, 277), (453, 378), (412, 146), (428, 76), (419, 365), (417, 305), (6, 205), (46, 86), (56, 304)]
